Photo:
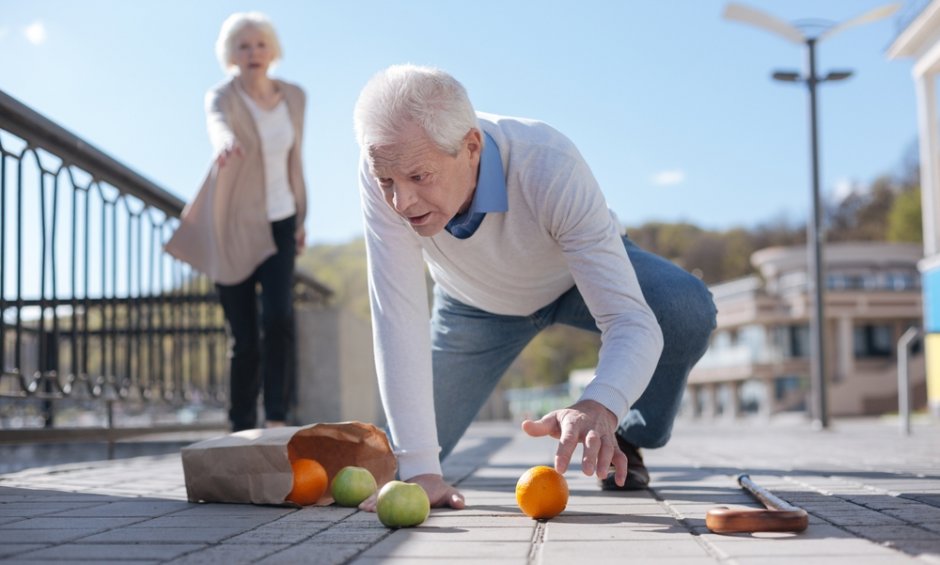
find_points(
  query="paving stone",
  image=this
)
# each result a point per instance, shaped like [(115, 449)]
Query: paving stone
[(918, 514), (58, 523), (23, 561), (30, 509), (128, 508), (314, 554), (893, 532), (320, 514), (466, 560), (8, 549), (207, 509), (226, 554), (366, 536), (566, 552), (450, 519), (401, 545), (280, 533), (239, 523), (140, 534), (859, 518), (44, 536), (798, 547), (556, 531), (466, 534), (108, 552), (893, 559)]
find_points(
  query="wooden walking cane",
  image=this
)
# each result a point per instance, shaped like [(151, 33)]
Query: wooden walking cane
[(779, 515)]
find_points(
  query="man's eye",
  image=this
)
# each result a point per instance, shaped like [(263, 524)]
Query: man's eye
[(417, 178), (385, 183)]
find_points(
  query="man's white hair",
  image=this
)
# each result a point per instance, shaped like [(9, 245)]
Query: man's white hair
[(404, 94)]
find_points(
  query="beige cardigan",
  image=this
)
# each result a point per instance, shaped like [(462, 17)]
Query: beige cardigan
[(224, 232)]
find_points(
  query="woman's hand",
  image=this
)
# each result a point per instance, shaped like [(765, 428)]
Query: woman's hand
[(233, 149), (300, 236)]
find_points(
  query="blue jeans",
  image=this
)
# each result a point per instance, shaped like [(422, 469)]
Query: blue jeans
[(471, 349)]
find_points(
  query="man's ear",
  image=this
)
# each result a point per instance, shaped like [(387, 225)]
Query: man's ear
[(474, 143)]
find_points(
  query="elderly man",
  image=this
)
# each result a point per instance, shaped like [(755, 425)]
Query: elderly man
[(517, 236)]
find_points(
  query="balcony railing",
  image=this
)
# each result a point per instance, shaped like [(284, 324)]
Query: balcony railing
[(92, 310)]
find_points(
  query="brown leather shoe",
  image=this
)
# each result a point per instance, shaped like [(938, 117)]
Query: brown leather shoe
[(638, 477)]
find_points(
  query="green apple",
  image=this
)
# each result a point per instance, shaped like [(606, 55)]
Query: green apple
[(352, 485), (402, 505)]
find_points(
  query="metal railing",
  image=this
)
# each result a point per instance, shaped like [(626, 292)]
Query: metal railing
[(905, 344), (91, 307)]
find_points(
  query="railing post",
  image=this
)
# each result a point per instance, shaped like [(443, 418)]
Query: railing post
[(904, 378), (48, 367)]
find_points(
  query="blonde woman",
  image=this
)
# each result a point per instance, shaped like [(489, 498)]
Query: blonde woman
[(246, 224)]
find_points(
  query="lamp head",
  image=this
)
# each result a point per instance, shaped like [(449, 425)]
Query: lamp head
[(787, 76), (838, 75)]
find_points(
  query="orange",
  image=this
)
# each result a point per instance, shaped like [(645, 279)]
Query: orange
[(310, 482), (542, 493)]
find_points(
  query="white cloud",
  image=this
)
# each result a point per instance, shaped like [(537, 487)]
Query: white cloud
[(844, 188), (35, 33), (668, 178)]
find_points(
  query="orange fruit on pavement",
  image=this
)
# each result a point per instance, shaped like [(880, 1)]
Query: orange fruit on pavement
[(542, 493), (310, 482)]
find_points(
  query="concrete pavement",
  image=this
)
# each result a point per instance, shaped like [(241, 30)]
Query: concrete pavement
[(873, 497)]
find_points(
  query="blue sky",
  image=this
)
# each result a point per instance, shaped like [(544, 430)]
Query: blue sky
[(672, 106)]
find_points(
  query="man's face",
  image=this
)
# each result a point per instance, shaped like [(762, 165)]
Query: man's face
[(423, 184)]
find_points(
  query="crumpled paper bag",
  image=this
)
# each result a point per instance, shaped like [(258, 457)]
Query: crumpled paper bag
[(254, 466)]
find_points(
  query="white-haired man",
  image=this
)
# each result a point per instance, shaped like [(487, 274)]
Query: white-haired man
[(517, 236)]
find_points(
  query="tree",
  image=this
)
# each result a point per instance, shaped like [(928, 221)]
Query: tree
[(863, 214), (905, 222)]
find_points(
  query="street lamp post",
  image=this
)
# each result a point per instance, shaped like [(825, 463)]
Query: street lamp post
[(815, 232)]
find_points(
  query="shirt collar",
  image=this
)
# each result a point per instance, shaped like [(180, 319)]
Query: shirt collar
[(490, 194)]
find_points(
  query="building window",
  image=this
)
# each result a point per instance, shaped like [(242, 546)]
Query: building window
[(900, 281), (837, 281), (794, 340), (873, 341)]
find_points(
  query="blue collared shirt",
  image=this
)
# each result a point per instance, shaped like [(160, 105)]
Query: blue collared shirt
[(489, 196)]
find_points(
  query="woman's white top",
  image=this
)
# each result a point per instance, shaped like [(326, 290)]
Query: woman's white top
[(277, 137)]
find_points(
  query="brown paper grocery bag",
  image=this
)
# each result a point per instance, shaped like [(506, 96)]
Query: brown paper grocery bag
[(254, 466)]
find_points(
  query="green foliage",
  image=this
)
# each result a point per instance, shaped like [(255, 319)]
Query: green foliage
[(553, 354), (863, 214), (341, 267), (905, 222)]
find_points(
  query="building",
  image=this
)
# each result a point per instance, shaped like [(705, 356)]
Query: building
[(759, 357), (920, 40)]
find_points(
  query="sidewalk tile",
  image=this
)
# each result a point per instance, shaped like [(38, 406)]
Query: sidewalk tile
[(8, 549), (319, 554), (567, 552), (227, 554), (144, 534), (107, 552), (401, 544)]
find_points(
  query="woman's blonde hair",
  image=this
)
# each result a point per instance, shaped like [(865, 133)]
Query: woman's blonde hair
[(232, 26)]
